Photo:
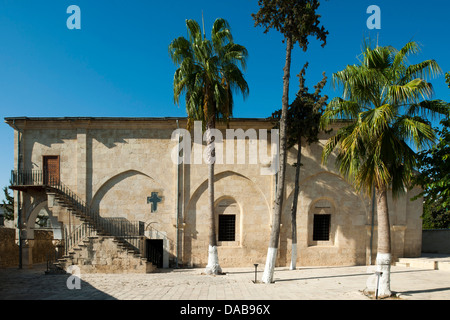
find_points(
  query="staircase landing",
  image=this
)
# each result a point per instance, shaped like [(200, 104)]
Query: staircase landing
[(430, 261)]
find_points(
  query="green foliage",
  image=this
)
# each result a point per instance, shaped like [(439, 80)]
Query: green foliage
[(447, 78), (42, 220), (8, 205), (434, 178), (304, 113), (208, 72), (382, 102), (295, 19)]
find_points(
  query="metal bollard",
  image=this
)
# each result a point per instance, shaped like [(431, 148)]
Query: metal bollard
[(256, 268), (379, 274)]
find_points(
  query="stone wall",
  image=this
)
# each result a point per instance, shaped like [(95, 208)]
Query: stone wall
[(42, 247), (102, 255), (115, 165), (436, 241), (9, 250)]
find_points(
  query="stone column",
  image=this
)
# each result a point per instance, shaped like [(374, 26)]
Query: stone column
[(398, 241), (81, 175), (371, 246), (27, 253), (59, 247)]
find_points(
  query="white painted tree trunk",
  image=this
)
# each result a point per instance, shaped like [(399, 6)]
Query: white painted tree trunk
[(272, 250), (293, 265), (269, 267), (383, 264), (384, 257), (213, 266)]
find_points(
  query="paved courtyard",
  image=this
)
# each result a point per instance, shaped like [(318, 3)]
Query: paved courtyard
[(314, 283)]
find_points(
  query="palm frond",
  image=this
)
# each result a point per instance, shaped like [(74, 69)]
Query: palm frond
[(416, 130), (411, 92), (383, 96), (401, 57), (423, 70), (429, 108)]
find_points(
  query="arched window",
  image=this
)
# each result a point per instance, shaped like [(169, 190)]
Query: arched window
[(227, 222), (321, 223)]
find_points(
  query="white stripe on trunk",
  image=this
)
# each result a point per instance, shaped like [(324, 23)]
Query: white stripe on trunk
[(293, 257), (383, 263), (270, 265), (213, 266)]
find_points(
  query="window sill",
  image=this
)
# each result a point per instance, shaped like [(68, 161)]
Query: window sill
[(321, 244), (226, 244)]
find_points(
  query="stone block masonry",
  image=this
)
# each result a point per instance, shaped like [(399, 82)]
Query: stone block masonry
[(104, 255), (9, 250)]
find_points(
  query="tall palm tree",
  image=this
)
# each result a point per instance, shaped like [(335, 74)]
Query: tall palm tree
[(208, 74), (384, 100)]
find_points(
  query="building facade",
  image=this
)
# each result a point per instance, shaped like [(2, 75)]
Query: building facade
[(123, 169)]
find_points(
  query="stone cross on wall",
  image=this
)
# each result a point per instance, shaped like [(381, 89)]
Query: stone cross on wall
[(154, 199)]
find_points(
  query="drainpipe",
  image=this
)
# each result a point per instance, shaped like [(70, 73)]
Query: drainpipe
[(19, 210), (177, 198)]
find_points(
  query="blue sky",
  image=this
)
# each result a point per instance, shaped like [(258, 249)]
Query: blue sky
[(117, 64)]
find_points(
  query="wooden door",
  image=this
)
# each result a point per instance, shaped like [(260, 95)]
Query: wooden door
[(51, 170)]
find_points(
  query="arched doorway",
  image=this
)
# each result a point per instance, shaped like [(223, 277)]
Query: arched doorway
[(44, 236)]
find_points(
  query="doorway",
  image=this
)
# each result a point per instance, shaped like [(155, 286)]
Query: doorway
[(51, 170), (155, 252)]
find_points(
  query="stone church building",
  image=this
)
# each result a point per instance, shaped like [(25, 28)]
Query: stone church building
[(118, 202)]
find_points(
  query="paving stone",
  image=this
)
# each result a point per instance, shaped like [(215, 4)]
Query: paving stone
[(326, 283)]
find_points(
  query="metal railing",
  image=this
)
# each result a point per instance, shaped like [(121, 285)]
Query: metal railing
[(130, 233), (27, 177), (127, 232)]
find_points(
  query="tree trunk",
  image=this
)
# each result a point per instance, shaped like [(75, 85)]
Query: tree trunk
[(213, 266), (278, 204), (383, 260), (294, 206)]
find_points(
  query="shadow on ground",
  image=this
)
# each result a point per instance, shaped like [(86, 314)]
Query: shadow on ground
[(34, 284)]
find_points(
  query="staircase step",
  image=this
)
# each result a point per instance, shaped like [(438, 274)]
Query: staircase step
[(444, 265), (77, 208), (402, 264), (417, 263)]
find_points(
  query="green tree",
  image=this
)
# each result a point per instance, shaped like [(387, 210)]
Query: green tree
[(8, 205), (303, 122), (434, 178), (384, 100), (296, 20), (209, 72)]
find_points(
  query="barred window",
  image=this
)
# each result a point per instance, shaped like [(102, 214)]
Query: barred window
[(321, 230), (227, 227)]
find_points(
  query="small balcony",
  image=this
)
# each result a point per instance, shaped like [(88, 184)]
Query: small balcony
[(23, 180)]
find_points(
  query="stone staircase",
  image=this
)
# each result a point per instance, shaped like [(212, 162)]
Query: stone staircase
[(101, 245), (426, 261), (98, 244), (105, 254)]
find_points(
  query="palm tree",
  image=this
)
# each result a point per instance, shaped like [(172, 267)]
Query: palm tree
[(384, 100), (208, 74)]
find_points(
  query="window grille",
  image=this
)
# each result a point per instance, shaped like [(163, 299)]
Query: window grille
[(321, 231), (227, 227)]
